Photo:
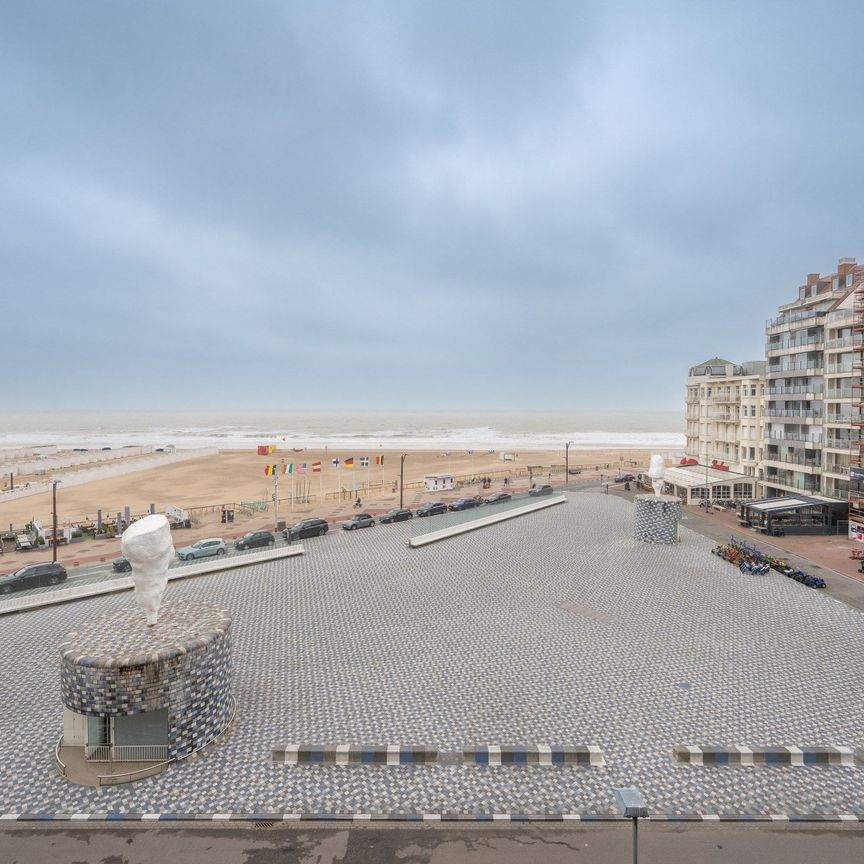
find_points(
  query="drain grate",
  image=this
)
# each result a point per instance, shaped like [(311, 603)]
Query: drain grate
[(264, 824)]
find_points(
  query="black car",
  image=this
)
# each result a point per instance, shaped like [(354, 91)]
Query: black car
[(33, 576), (400, 514), (255, 540), (465, 504), (499, 498), (307, 528), (624, 478), (537, 491), (121, 565), (358, 520), (432, 509)]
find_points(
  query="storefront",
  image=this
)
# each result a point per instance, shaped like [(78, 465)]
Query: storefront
[(794, 514)]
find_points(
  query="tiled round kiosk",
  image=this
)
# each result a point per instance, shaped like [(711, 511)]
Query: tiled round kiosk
[(655, 518), (134, 693)]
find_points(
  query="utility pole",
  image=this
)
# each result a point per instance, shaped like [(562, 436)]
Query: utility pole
[(401, 478), (54, 538), (567, 462), (275, 499)]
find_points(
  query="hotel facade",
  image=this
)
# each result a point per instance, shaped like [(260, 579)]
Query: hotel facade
[(792, 421)]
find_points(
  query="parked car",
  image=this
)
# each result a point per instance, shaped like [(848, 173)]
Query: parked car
[(537, 491), (255, 540), (499, 498), (624, 478), (465, 504), (307, 528), (432, 509), (33, 576), (358, 520), (400, 514), (121, 565), (203, 549)]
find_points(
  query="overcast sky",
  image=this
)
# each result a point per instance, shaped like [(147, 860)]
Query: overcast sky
[(551, 205)]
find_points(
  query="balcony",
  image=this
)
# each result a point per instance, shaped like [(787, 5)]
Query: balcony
[(814, 343), (803, 461), (842, 342), (805, 437), (798, 484), (838, 369), (839, 470), (725, 418), (726, 398), (798, 367), (809, 413), (789, 318), (838, 395), (807, 391)]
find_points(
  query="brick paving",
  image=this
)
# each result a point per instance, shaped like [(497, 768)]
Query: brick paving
[(554, 628)]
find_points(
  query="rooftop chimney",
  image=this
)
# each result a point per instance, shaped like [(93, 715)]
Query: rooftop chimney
[(812, 278), (844, 265)]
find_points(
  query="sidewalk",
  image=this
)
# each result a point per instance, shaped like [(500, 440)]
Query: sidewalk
[(825, 556)]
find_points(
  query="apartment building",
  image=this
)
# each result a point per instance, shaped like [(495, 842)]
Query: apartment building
[(724, 414), (793, 420), (811, 352)]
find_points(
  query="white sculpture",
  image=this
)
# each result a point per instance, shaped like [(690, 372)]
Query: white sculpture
[(148, 547), (656, 471)]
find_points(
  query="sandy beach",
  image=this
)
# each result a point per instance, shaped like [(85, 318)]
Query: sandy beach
[(234, 477)]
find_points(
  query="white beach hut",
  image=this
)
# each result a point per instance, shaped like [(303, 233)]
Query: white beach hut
[(438, 482)]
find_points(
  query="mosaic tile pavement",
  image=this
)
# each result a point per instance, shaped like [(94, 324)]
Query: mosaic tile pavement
[(557, 627)]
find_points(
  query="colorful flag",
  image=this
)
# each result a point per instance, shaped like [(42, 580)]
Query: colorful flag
[(379, 460), (270, 470), (301, 468), (288, 468), (335, 462), (316, 467), (364, 461), (349, 462)]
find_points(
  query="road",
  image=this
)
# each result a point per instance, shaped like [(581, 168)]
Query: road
[(600, 843)]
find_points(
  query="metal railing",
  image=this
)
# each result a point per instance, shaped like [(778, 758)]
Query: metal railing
[(61, 765), (792, 317), (125, 752), (815, 389), (797, 366), (792, 412), (792, 460), (838, 369), (793, 343), (837, 469), (794, 436)]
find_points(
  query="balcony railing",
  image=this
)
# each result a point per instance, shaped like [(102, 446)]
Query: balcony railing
[(838, 369), (838, 469), (793, 460), (796, 366), (838, 394), (792, 317), (842, 342), (793, 343), (792, 483), (816, 389), (792, 412), (794, 436)]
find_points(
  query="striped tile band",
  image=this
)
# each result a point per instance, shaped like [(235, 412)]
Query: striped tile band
[(739, 755), (400, 754)]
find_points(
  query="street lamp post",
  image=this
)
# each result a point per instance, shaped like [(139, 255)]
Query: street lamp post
[(631, 805), (54, 499), (401, 478), (567, 462)]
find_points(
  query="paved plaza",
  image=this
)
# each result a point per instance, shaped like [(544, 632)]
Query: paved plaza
[(553, 628)]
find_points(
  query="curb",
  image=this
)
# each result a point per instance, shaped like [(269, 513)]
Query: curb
[(112, 816)]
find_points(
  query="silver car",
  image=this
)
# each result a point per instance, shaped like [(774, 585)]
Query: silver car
[(203, 549)]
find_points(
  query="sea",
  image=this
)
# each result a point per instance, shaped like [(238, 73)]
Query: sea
[(478, 430)]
